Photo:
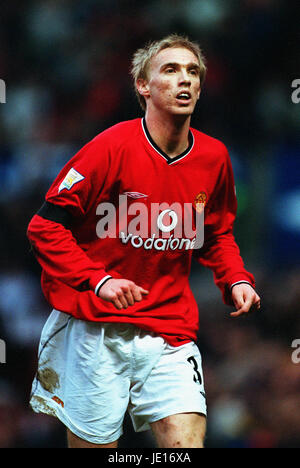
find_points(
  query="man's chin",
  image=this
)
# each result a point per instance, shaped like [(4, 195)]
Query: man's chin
[(183, 111)]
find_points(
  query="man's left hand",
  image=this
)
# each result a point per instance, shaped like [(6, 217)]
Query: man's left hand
[(244, 298)]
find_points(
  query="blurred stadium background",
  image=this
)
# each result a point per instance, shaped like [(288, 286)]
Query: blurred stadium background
[(65, 64)]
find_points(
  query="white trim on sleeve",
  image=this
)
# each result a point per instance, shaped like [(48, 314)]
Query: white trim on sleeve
[(240, 282), (100, 283)]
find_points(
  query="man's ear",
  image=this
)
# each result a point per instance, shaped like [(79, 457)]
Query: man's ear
[(142, 87)]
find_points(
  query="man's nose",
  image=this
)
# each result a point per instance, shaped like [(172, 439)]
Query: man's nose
[(184, 77)]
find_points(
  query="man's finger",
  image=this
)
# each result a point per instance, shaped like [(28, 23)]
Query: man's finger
[(138, 292), (243, 309), (256, 302), (129, 298), (238, 302), (117, 304), (137, 296), (128, 295), (121, 298), (237, 313)]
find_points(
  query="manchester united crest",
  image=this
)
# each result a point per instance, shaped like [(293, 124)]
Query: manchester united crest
[(200, 202)]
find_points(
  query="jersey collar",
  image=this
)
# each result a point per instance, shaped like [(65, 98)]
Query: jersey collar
[(161, 152)]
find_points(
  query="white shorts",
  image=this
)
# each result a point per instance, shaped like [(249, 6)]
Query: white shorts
[(90, 373)]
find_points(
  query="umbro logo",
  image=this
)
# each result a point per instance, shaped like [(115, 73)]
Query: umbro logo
[(135, 195)]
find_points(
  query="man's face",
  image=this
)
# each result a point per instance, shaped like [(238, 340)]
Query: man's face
[(173, 84)]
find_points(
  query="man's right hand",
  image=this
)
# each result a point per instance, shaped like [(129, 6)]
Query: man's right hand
[(121, 293)]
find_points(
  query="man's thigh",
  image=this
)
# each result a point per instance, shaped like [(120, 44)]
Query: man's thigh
[(185, 430), (90, 393), (174, 386)]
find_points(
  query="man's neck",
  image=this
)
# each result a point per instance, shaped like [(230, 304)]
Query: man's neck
[(170, 134)]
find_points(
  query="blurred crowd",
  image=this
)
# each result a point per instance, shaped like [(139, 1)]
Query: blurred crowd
[(66, 68)]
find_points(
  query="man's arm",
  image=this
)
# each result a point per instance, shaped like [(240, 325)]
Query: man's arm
[(50, 231), (220, 251), (61, 257)]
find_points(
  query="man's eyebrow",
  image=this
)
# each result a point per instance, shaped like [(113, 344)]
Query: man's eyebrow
[(176, 65)]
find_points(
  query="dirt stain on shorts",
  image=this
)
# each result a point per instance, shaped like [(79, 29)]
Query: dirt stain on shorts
[(48, 378), (40, 406)]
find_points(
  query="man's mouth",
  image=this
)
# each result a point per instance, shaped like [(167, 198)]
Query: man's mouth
[(184, 96)]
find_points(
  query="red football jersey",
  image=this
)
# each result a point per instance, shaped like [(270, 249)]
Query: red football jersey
[(123, 164)]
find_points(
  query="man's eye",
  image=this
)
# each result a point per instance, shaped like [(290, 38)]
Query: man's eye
[(170, 70)]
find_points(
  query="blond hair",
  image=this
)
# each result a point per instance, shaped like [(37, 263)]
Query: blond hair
[(142, 57)]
